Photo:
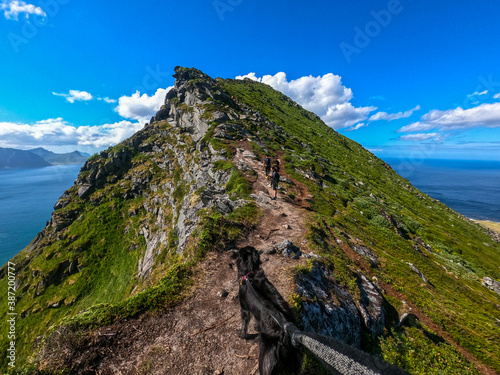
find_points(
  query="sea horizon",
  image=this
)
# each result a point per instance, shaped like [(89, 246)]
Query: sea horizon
[(470, 187)]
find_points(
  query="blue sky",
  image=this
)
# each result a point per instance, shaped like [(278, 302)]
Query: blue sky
[(406, 78)]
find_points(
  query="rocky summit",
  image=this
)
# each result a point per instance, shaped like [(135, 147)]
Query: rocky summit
[(133, 273)]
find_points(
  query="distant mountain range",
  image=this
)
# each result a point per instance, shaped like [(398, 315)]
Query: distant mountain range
[(11, 158)]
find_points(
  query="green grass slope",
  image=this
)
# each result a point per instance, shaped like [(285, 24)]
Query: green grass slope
[(358, 198)]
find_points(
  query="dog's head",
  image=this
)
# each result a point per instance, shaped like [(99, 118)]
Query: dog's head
[(247, 259)]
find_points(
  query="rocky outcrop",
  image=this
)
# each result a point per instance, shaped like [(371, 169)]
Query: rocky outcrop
[(170, 165), (366, 252), (285, 248), (371, 306), (187, 103), (418, 272), (328, 309), (491, 284), (55, 276), (331, 309), (63, 218)]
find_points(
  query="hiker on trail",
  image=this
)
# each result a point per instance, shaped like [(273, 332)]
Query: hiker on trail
[(277, 163), (275, 179), (267, 165)]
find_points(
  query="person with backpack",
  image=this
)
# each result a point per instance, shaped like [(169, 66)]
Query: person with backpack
[(267, 165), (276, 163), (275, 179)]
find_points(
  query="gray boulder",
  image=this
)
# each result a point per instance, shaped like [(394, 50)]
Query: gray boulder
[(328, 309), (287, 249), (371, 306), (492, 284)]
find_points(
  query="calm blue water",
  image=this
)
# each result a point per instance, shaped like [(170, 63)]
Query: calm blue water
[(27, 197), (470, 187)]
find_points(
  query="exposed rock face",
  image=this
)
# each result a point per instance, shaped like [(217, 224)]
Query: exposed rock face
[(418, 272), (191, 89), (175, 141), (492, 284), (366, 252), (330, 309), (285, 248), (371, 306)]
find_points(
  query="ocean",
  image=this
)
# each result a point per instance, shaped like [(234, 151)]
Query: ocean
[(27, 196), (470, 187)]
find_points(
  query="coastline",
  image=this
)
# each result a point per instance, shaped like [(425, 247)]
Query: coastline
[(492, 225)]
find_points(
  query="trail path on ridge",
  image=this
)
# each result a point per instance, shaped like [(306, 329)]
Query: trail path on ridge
[(199, 336)]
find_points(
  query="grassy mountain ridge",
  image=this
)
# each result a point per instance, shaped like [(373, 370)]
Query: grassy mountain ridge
[(358, 196), (176, 177)]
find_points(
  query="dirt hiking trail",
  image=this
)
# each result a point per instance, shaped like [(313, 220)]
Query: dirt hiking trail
[(199, 336)]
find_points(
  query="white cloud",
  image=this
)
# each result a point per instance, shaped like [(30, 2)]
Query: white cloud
[(344, 115), (323, 95), (78, 95), (420, 137), (108, 100), (477, 93), (12, 9), (487, 115), (251, 76), (358, 126), (496, 96), (141, 107), (57, 132), (75, 95), (393, 116)]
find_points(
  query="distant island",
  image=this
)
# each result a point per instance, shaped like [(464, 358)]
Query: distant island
[(11, 158)]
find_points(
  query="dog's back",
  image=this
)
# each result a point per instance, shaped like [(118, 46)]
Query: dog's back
[(277, 354)]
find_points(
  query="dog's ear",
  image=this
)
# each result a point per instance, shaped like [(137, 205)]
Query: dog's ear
[(256, 258), (235, 253)]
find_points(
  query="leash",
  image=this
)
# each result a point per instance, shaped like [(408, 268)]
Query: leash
[(337, 356)]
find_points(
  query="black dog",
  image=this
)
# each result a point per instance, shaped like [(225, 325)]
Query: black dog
[(277, 355)]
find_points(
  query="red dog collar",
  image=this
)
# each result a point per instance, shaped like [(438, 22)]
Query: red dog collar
[(246, 276)]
